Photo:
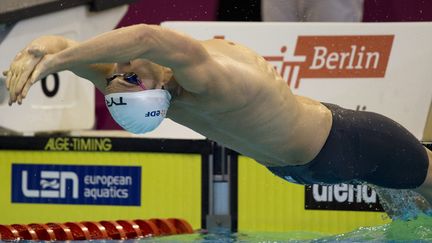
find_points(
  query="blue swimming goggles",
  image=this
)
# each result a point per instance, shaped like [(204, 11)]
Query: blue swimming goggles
[(131, 78)]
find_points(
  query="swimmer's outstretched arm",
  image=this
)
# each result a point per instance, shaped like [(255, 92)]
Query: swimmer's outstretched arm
[(35, 53), (184, 55), (95, 73)]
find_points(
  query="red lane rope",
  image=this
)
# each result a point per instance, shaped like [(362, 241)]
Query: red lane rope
[(61, 232), (43, 232), (165, 227), (92, 230), (97, 231), (148, 228), (79, 231), (25, 232), (131, 229), (115, 231), (182, 226), (8, 233)]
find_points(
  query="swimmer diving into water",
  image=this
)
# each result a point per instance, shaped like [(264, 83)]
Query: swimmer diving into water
[(230, 94)]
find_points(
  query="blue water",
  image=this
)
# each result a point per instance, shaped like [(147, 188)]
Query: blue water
[(411, 221), (418, 229)]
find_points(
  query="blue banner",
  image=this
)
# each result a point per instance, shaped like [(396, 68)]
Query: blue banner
[(73, 184)]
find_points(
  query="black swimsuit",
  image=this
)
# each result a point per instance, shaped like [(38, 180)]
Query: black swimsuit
[(363, 147)]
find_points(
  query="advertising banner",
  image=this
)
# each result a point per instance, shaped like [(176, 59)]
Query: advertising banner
[(53, 179), (269, 203), (69, 184)]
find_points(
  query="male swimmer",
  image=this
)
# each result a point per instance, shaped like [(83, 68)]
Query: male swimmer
[(230, 94)]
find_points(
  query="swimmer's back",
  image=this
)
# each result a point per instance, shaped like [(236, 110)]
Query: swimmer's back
[(249, 101)]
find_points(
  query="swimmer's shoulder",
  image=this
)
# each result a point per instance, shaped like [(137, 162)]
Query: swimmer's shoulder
[(226, 46), (218, 42), (235, 51)]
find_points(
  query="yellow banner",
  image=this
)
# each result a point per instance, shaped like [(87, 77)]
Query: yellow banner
[(269, 203), (170, 186)]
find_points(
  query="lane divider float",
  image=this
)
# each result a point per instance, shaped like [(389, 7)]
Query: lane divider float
[(96, 230)]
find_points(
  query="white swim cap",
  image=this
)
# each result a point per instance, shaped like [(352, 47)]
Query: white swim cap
[(139, 112)]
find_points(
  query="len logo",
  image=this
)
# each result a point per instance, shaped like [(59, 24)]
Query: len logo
[(52, 183)]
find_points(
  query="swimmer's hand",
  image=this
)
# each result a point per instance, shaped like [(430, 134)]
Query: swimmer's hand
[(42, 69), (20, 71), (31, 65)]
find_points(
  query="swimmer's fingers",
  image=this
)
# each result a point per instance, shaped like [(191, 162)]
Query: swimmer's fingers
[(25, 70), (11, 85), (26, 89), (19, 99), (12, 81), (23, 64), (18, 56), (43, 69), (24, 92), (24, 73), (36, 76), (31, 80), (7, 86), (12, 75)]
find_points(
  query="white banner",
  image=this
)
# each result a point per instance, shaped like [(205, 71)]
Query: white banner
[(380, 67), (63, 101)]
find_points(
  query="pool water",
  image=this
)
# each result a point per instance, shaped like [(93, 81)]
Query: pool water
[(411, 221), (398, 230), (418, 229)]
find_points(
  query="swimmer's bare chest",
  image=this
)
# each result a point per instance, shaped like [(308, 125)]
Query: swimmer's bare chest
[(249, 109), (250, 131)]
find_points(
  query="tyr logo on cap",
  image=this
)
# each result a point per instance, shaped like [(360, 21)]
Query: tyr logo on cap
[(112, 101)]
